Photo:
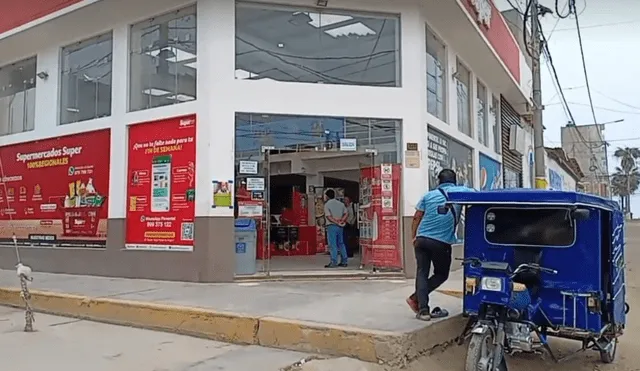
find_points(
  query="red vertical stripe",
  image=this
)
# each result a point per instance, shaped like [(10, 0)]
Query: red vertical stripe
[(500, 38)]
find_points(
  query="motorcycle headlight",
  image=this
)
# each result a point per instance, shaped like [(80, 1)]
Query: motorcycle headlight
[(491, 283)]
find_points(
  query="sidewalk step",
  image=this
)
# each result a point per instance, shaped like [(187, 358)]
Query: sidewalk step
[(385, 347)]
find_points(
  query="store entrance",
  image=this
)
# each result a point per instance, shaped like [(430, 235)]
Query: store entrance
[(294, 228)]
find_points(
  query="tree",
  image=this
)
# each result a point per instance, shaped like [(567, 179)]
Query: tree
[(626, 179)]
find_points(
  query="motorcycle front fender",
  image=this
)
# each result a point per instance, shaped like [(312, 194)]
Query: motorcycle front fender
[(480, 329)]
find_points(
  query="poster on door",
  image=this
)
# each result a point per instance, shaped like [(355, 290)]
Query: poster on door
[(378, 216), (161, 185), (53, 192)]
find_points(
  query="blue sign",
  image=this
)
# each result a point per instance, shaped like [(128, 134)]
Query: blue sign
[(490, 173), (555, 180), (241, 248)]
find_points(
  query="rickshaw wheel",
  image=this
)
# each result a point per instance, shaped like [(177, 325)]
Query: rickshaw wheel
[(480, 354), (610, 356)]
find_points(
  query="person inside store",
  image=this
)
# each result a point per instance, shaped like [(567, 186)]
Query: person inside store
[(433, 234), (335, 214), (351, 228)]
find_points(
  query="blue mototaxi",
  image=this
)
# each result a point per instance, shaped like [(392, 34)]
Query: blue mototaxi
[(537, 264)]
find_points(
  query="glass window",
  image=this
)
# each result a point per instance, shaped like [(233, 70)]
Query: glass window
[(297, 45), (163, 56), (463, 84), (535, 227), (18, 97), (494, 112), (483, 117), (436, 67), (85, 84)]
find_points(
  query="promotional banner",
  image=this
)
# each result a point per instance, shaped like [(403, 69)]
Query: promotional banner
[(379, 216), (446, 153), (490, 173), (53, 192), (161, 185)]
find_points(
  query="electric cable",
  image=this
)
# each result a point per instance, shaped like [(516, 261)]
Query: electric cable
[(558, 13)]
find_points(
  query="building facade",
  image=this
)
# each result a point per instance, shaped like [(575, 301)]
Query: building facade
[(563, 173), (586, 144), (120, 120)]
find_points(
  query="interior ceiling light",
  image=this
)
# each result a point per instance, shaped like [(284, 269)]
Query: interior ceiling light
[(322, 3)]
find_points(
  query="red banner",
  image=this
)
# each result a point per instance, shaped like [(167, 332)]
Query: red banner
[(379, 216), (53, 192), (161, 185)]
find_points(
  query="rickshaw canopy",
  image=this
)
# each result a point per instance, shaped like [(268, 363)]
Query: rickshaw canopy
[(537, 197)]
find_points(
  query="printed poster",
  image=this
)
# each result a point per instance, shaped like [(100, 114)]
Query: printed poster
[(53, 192), (222, 194), (161, 185)]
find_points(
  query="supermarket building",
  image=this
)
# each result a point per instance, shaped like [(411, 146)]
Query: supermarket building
[(134, 133)]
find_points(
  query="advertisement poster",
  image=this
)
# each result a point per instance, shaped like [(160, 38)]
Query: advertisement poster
[(446, 153), (490, 173), (378, 216), (222, 194), (555, 180), (161, 185), (53, 192)]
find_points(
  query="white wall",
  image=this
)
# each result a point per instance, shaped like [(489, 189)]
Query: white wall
[(568, 182), (220, 95)]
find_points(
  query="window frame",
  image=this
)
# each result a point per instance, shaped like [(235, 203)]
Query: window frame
[(25, 122), (497, 129), (563, 208), (444, 63), (138, 26), (335, 12), (78, 45), (485, 112), (460, 63)]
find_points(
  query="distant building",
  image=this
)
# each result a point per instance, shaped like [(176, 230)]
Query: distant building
[(586, 144)]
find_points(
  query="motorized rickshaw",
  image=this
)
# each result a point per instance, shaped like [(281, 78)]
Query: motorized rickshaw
[(540, 264)]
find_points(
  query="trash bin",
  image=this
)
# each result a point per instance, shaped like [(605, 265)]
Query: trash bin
[(246, 238)]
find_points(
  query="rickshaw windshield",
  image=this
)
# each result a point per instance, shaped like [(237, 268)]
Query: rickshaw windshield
[(551, 227)]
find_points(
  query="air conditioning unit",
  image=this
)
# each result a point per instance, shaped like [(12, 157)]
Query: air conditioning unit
[(517, 139)]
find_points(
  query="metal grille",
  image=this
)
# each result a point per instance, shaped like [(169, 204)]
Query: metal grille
[(512, 161)]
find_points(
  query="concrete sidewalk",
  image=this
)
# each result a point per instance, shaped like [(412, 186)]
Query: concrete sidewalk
[(368, 320)]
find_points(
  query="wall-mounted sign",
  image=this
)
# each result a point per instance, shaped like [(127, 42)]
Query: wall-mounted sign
[(483, 10), (348, 144), (412, 146), (255, 184), (248, 167)]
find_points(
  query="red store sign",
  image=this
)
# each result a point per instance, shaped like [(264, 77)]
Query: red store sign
[(18, 13)]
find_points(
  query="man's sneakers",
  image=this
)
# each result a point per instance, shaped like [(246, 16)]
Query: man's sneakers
[(413, 303)]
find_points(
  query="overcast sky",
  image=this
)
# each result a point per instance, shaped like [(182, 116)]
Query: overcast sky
[(611, 39)]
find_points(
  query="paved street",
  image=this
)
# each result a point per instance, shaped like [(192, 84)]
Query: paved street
[(74, 345)]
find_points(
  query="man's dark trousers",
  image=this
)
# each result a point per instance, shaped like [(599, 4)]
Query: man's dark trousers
[(429, 251)]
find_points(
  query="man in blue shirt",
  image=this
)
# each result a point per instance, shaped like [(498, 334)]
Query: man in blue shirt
[(433, 234)]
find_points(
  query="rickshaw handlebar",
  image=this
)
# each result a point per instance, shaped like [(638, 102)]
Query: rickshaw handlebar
[(475, 262)]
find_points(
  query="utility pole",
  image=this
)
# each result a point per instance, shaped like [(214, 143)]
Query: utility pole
[(538, 128)]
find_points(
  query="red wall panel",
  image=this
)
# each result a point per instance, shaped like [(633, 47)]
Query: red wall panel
[(500, 38), (15, 13)]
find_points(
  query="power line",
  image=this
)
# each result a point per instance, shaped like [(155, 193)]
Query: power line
[(611, 24), (617, 101), (572, 8), (597, 107)]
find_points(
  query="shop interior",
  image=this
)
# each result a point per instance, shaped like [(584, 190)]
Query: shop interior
[(282, 176)]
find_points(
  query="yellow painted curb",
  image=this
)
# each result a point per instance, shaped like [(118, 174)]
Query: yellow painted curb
[(363, 344)]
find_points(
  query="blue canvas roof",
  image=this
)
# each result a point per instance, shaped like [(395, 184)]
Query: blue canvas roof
[(532, 196)]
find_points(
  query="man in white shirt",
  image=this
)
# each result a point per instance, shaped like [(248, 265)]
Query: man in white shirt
[(335, 214)]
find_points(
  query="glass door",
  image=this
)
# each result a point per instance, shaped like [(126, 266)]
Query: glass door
[(379, 218)]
